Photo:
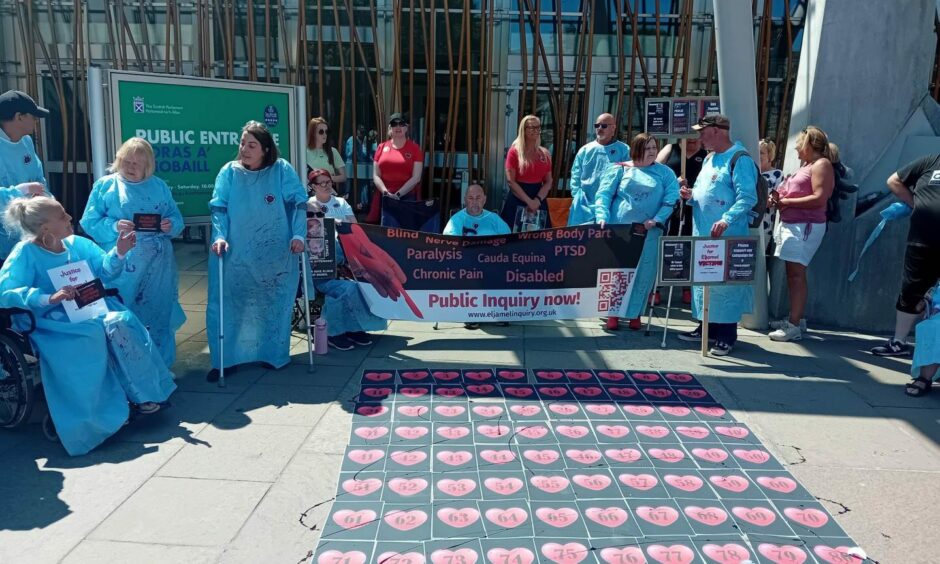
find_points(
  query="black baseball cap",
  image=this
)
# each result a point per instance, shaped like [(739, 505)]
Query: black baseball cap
[(14, 102), (713, 120), (397, 116)]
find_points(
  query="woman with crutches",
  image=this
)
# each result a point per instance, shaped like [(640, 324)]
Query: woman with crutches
[(258, 227)]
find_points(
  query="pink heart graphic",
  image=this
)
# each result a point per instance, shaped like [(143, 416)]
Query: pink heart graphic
[(553, 391), (453, 432), (755, 456), (675, 410), (408, 458), (413, 392), (673, 554), (593, 482), (503, 486), (504, 456), (711, 411), (715, 455), (563, 408), (568, 553), (487, 410), (670, 455), (645, 376), (694, 393), (518, 392), (640, 482), (640, 410), (458, 517), (377, 392), (349, 519), (510, 556), (613, 431), (580, 376), (413, 410), (780, 484), (405, 520), (612, 376), (688, 483), (760, 516), (399, 558), (588, 391), (711, 516), (362, 487), (782, 553), (450, 410), (362, 456), (655, 431), (457, 487), (679, 378), (525, 410), (454, 457), (607, 516), (731, 482), (559, 518), (406, 486), (371, 410), (337, 557), (445, 376), (622, 392), (413, 376), (626, 555), (731, 553), (411, 433), (572, 431), (661, 393), (624, 455), (448, 392), (696, 432), (371, 433), (662, 516), (836, 555), (493, 431), (549, 484), (378, 376), (601, 408), (733, 432), (482, 389), (807, 517), (583, 456), (541, 456), (554, 375), (478, 376), (511, 374), (461, 556), (533, 432), (511, 517)]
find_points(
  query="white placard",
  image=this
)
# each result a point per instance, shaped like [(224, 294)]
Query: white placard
[(74, 274), (708, 262)]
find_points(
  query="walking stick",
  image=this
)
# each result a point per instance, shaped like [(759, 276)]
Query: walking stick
[(221, 323), (303, 268)]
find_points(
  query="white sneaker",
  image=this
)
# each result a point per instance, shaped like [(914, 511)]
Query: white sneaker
[(786, 332), (778, 324)]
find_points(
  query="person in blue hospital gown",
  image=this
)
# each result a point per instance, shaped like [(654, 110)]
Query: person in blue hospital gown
[(639, 191), (21, 171), (589, 167), (93, 371), (149, 284), (721, 204), (258, 227), (347, 315)]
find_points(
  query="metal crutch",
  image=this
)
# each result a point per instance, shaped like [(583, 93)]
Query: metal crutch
[(303, 268), (221, 323)]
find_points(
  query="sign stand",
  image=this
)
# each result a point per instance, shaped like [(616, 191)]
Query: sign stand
[(705, 304), (303, 269)]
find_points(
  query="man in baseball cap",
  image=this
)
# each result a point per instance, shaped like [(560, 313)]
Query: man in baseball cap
[(21, 172)]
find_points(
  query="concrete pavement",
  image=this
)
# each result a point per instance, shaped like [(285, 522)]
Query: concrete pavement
[(247, 473)]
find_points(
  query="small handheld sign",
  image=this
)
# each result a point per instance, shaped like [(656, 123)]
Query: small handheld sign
[(147, 222), (89, 292)]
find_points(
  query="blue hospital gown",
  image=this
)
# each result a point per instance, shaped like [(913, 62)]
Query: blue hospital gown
[(149, 284), (587, 171), (18, 164)]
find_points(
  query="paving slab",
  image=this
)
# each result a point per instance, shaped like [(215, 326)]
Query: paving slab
[(264, 404), (95, 552)]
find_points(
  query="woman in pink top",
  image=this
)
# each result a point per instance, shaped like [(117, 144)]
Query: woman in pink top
[(801, 200)]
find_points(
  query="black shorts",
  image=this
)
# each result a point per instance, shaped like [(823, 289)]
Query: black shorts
[(682, 211), (921, 272)]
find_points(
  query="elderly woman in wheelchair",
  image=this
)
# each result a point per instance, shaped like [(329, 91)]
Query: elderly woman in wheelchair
[(94, 371)]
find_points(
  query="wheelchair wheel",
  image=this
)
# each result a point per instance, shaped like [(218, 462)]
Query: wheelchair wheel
[(48, 429), (17, 390)]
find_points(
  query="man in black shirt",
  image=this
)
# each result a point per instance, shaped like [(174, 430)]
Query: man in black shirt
[(918, 186)]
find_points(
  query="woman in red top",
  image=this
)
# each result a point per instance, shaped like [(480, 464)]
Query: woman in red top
[(398, 166), (528, 171)]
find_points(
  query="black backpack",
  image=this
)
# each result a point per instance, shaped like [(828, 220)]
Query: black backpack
[(763, 191), (840, 191)]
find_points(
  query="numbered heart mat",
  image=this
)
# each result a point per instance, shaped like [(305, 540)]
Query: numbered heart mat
[(512, 466)]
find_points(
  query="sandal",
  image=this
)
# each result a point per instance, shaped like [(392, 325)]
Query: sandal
[(919, 387)]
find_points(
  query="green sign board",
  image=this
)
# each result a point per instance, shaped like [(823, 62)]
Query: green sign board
[(195, 125)]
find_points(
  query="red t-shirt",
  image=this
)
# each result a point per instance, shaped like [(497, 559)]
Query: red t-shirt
[(535, 171), (396, 165)]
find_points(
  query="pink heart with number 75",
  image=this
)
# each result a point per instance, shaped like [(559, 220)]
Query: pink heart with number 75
[(568, 553)]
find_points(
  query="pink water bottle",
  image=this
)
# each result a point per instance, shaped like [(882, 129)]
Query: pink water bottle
[(319, 336)]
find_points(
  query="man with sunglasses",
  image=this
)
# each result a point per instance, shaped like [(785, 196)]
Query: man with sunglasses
[(589, 166)]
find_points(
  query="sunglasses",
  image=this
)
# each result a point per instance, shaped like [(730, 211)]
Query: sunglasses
[(397, 123), (602, 125), (322, 132), (323, 183), (534, 127)]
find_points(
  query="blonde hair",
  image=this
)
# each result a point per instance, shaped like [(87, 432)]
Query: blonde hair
[(771, 148), (816, 139), (134, 146), (27, 215), (519, 143), (834, 153)]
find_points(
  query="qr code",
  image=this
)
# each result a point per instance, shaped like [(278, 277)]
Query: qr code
[(613, 286)]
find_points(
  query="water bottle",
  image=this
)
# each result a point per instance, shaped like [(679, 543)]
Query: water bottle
[(319, 336)]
